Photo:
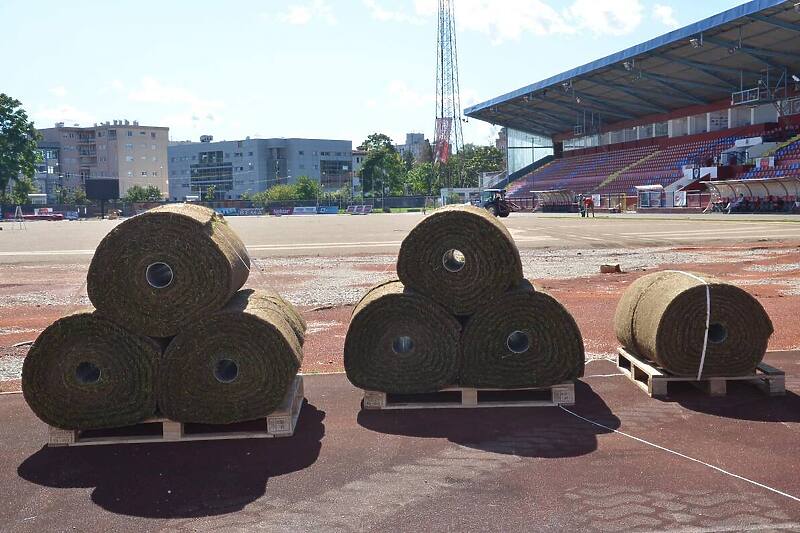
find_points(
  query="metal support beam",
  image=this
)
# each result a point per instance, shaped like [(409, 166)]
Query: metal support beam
[(777, 22), (707, 71), (710, 66), (758, 54), (541, 117), (687, 83), (677, 94), (649, 104), (601, 110)]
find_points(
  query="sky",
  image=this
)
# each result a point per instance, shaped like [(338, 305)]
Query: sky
[(338, 69)]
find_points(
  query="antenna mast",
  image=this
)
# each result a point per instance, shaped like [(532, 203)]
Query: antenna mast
[(448, 138)]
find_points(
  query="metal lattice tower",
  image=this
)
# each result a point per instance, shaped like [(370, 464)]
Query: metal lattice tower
[(448, 138)]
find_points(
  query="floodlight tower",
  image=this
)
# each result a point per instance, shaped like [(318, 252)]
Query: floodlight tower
[(448, 138)]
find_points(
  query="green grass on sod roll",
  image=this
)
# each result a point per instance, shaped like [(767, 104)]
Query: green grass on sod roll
[(662, 316), (523, 339), (460, 256), (234, 365), (85, 372), (401, 342), (166, 268)]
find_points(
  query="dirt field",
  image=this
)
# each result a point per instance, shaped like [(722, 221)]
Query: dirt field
[(699, 464), (35, 290)]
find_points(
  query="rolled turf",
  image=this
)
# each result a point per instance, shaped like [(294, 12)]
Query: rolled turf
[(85, 372), (523, 339), (401, 342), (662, 317), (460, 256), (167, 268), (234, 365)]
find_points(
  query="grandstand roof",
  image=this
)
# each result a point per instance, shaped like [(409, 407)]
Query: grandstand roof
[(758, 39)]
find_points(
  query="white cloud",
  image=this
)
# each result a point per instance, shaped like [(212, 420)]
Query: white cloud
[(47, 116), (517, 17), (666, 15), (303, 13), (401, 95), (152, 91), (58, 91), (395, 14), (609, 17)]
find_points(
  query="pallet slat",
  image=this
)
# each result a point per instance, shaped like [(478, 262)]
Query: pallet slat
[(654, 380), (280, 423), (470, 398)]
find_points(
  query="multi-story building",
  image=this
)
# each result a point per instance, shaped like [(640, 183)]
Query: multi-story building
[(48, 175), (415, 143), (236, 168), (135, 154)]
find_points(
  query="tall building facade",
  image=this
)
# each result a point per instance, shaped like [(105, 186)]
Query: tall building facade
[(245, 167), (415, 143), (135, 154)]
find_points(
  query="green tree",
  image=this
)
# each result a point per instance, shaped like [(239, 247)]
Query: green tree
[(382, 170), (78, 197), (211, 193), (422, 179), (466, 166), (307, 188), (23, 186), (377, 141), (408, 160), (18, 137), (140, 194), (276, 193)]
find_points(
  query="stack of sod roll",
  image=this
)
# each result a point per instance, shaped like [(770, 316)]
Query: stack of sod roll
[(171, 332), (461, 313), (693, 325)]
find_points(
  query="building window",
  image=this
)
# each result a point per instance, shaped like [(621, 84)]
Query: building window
[(144, 173), (250, 154), (301, 152), (142, 133), (112, 135), (152, 135), (130, 133), (155, 174), (129, 158), (152, 146), (130, 173), (129, 146)]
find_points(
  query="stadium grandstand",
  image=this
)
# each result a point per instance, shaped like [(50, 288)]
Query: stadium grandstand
[(663, 124)]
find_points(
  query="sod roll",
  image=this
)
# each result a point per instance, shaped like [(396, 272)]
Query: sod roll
[(401, 342), (269, 297), (662, 317), (234, 365), (84, 372), (523, 339), (167, 268), (460, 256)]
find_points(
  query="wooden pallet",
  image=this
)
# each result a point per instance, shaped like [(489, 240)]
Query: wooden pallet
[(281, 423), (465, 397), (654, 380)]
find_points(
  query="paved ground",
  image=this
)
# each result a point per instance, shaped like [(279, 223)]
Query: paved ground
[(510, 470), (382, 233), (541, 469)]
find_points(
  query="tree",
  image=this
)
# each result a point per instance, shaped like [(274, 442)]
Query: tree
[(377, 141), (211, 193), (68, 196), (307, 188), (472, 160), (23, 186), (18, 138), (281, 193), (422, 179), (382, 171), (140, 194), (408, 160)]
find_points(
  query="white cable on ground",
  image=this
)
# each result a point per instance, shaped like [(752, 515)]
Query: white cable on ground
[(718, 469), (708, 317)]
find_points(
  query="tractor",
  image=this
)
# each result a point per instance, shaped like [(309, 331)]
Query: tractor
[(494, 201)]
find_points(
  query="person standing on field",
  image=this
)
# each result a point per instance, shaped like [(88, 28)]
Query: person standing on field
[(588, 204)]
